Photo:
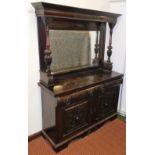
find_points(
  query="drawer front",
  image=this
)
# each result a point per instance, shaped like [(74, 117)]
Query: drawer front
[(75, 117), (107, 102)]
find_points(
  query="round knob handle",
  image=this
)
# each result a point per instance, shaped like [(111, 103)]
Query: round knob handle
[(106, 104), (77, 118)]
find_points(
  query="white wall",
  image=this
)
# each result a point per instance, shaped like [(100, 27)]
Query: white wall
[(90, 4), (119, 49), (34, 96), (34, 105)]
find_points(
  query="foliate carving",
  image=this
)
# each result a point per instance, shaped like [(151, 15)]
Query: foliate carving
[(108, 66), (48, 60), (75, 118), (51, 81)]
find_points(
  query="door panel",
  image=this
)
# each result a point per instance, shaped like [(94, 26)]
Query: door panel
[(107, 102)]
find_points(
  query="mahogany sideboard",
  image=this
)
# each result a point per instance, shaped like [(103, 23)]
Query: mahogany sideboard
[(77, 100)]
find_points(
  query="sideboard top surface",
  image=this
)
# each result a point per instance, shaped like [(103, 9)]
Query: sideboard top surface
[(73, 84)]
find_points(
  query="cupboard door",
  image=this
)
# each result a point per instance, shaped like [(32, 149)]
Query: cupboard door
[(107, 102), (75, 117)]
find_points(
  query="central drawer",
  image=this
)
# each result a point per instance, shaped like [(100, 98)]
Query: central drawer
[(75, 117)]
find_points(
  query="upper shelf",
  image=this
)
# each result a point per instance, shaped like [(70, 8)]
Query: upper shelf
[(67, 12)]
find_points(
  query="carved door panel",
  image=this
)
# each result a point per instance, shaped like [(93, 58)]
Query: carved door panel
[(75, 117), (107, 102)]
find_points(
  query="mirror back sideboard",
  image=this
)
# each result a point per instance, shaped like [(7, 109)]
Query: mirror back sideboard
[(79, 90)]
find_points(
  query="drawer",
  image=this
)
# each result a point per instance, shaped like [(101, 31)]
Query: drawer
[(75, 117), (75, 98)]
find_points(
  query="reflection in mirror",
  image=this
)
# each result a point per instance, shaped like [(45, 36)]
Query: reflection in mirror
[(72, 49)]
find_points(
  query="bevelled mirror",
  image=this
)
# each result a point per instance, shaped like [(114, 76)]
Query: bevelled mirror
[(73, 49)]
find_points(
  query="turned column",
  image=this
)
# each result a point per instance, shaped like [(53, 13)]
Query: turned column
[(47, 52), (108, 64), (95, 61), (102, 30)]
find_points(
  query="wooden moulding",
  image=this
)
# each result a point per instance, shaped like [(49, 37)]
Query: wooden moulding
[(68, 24), (105, 82), (56, 145), (53, 10)]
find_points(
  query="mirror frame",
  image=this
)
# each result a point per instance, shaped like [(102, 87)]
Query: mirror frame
[(67, 24)]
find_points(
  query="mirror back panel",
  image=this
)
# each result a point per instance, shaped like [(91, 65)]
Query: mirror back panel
[(72, 49)]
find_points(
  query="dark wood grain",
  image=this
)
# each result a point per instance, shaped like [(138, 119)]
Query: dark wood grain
[(53, 10), (75, 83), (77, 100), (41, 42), (58, 17), (69, 24), (108, 65)]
